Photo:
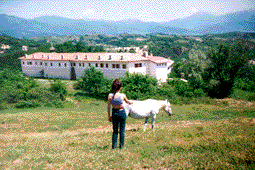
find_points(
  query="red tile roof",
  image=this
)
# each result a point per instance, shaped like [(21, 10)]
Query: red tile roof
[(94, 57)]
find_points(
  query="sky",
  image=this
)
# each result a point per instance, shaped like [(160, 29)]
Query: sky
[(115, 10)]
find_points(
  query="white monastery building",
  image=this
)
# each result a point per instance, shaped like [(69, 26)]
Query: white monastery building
[(113, 65)]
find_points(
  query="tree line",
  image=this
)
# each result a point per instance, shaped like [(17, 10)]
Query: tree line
[(213, 74), (18, 91)]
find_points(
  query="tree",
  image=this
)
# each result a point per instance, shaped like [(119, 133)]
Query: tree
[(194, 66), (226, 61), (93, 81), (139, 86), (79, 47), (132, 50), (59, 88)]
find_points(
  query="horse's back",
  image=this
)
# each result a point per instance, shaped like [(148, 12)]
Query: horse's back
[(141, 109)]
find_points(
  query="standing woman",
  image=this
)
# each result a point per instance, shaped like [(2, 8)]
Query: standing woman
[(119, 116)]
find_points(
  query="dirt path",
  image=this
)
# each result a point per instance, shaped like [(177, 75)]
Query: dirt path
[(100, 129)]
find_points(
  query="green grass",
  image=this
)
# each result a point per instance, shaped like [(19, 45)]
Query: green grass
[(243, 95), (46, 83), (213, 136)]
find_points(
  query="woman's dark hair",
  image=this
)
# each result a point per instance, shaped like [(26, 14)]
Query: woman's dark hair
[(116, 85)]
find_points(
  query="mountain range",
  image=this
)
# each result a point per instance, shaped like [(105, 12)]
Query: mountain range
[(199, 23)]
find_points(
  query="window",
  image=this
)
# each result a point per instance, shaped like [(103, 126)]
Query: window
[(41, 63), (138, 65), (89, 64), (80, 64), (117, 66), (106, 65), (59, 64), (45, 64), (23, 62), (124, 66), (51, 64), (162, 64), (96, 65), (113, 65), (101, 65), (65, 64), (27, 63), (35, 63), (74, 64), (31, 63)]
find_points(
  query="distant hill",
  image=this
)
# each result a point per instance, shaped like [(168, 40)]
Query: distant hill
[(57, 26), (204, 23), (196, 24)]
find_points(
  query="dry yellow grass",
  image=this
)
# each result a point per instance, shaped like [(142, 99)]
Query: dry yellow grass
[(80, 138)]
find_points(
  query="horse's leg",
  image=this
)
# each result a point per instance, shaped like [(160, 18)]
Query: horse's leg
[(152, 124), (153, 121), (145, 123)]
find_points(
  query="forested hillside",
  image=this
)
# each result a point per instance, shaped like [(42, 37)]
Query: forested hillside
[(169, 46)]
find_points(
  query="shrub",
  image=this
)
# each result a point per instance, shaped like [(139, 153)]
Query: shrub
[(11, 94), (181, 88), (3, 106), (59, 88), (251, 98), (199, 93), (27, 104), (245, 84), (139, 86), (93, 81), (166, 90)]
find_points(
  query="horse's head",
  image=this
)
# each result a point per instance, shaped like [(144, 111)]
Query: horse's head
[(167, 107)]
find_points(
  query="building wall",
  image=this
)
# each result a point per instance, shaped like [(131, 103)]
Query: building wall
[(151, 69), (133, 69), (54, 70), (34, 68), (29, 68), (109, 72), (161, 72)]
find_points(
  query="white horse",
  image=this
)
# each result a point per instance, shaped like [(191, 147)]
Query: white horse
[(147, 109)]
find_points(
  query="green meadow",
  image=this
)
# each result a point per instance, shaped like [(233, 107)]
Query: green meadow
[(219, 135)]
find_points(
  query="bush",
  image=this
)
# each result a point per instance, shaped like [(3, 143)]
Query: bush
[(166, 90), (59, 88), (245, 84), (11, 94), (139, 86), (199, 93), (93, 81), (182, 88), (3, 106), (27, 104)]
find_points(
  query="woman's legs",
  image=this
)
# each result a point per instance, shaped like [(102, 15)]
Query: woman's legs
[(118, 121), (115, 124), (122, 132)]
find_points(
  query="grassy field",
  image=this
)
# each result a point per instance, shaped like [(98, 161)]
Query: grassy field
[(213, 136)]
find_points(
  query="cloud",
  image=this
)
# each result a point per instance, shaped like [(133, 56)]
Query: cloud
[(145, 16), (191, 11), (194, 10), (89, 12)]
